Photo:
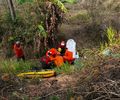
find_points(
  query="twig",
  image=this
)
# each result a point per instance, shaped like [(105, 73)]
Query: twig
[(94, 92), (55, 92), (51, 93), (99, 98), (106, 91), (5, 88), (115, 94), (3, 98)]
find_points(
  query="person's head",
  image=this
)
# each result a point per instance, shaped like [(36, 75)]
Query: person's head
[(62, 44), (59, 49), (17, 43), (49, 53)]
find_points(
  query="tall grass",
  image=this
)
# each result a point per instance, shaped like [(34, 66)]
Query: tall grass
[(103, 46), (65, 68), (14, 67), (112, 40), (54, 98), (110, 33), (68, 68)]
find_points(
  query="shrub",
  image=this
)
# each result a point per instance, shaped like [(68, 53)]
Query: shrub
[(68, 68), (111, 35), (65, 68), (54, 98)]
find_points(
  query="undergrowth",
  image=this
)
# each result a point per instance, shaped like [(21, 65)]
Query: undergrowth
[(113, 42), (68, 68), (14, 67)]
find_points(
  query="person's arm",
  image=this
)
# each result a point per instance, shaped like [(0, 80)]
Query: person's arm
[(52, 58), (14, 48)]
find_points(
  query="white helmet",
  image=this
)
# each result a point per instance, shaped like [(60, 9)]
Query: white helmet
[(17, 42)]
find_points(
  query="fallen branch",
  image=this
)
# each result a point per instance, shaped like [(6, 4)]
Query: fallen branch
[(99, 98), (5, 88), (3, 98), (51, 93)]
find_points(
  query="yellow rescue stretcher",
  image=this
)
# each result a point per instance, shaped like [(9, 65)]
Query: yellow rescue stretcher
[(41, 74)]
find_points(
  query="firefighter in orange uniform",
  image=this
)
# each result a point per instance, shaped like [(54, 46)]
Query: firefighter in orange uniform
[(62, 48), (54, 56), (68, 57), (18, 51)]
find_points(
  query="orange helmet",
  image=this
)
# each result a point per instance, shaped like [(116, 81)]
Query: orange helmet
[(52, 52)]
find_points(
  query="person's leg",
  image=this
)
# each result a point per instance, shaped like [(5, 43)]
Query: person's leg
[(51, 65), (18, 59), (44, 65), (23, 58)]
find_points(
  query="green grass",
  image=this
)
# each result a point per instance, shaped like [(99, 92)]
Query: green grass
[(81, 17), (54, 98), (68, 68), (110, 33), (14, 67), (113, 40), (69, 1)]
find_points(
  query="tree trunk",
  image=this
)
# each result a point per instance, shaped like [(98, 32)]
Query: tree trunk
[(12, 10)]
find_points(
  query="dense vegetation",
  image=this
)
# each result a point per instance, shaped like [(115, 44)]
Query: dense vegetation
[(33, 24)]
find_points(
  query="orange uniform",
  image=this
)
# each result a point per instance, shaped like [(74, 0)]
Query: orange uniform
[(53, 55), (68, 56), (58, 60), (18, 51), (52, 52)]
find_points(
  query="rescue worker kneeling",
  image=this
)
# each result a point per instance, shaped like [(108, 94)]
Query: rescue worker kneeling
[(62, 48), (57, 59), (53, 58), (68, 57)]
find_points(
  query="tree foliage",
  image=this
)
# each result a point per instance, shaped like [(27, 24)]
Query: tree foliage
[(23, 1), (36, 25)]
